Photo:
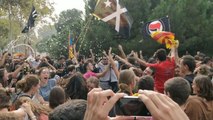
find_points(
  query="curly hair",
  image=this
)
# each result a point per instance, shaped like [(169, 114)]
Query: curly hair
[(71, 110), (76, 87)]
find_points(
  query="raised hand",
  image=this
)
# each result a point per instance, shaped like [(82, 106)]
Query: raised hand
[(99, 103), (161, 106)]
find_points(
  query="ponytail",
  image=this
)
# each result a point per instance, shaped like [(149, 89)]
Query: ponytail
[(124, 88)]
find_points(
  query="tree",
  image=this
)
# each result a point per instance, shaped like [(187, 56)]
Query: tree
[(14, 15), (100, 36), (70, 21), (191, 21)]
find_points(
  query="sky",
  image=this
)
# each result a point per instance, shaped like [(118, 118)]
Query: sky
[(61, 5)]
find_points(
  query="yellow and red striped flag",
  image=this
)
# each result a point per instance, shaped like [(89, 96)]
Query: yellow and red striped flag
[(70, 39)]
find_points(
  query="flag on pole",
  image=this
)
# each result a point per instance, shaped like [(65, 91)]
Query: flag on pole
[(112, 12), (31, 20), (70, 39), (158, 25)]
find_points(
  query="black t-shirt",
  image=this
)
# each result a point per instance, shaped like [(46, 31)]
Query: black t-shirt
[(190, 78)]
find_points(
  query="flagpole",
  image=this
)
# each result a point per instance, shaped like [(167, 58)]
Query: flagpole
[(169, 22), (30, 24), (10, 23), (28, 42), (83, 30), (69, 45), (85, 27)]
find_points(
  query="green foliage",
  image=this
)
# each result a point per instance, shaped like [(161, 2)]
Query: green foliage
[(70, 21), (14, 15), (101, 36), (191, 21)]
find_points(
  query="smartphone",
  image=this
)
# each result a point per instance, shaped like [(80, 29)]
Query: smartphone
[(131, 106)]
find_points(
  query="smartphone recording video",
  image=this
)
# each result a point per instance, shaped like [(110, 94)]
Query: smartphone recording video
[(131, 106)]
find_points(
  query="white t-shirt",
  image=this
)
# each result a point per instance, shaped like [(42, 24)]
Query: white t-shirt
[(110, 75)]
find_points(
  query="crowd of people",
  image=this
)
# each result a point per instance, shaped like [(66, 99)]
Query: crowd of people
[(87, 88)]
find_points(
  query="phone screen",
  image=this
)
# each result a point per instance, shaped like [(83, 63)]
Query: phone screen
[(131, 106)]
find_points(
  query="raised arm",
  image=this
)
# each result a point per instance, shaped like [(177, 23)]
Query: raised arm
[(99, 103), (142, 62), (141, 54), (123, 55), (52, 67), (92, 55), (15, 73), (131, 54), (104, 72), (174, 52), (113, 65), (75, 54), (124, 61), (2, 61), (161, 106)]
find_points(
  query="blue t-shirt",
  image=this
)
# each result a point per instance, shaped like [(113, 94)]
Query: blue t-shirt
[(45, 90)]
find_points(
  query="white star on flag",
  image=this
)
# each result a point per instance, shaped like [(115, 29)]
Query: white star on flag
[(116, 15), (107, 3)]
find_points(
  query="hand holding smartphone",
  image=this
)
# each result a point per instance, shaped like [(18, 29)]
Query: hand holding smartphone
[(131, 106)]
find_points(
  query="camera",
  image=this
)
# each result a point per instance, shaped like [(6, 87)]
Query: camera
[(131, 106)]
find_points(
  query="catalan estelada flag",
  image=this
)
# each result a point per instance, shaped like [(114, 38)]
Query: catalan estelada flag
[(112, 12), (70, 39)]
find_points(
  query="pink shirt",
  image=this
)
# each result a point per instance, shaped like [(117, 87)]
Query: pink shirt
[(89, 74)]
